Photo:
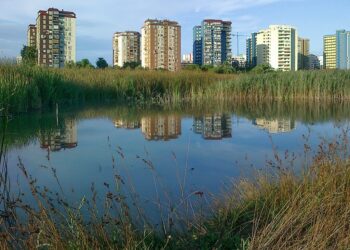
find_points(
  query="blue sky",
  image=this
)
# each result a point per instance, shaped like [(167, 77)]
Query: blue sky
[(98, 20)]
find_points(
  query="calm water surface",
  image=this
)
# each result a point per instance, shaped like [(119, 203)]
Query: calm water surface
[(154, 149)]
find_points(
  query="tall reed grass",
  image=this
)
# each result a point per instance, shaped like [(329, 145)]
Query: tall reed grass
[(29, 88)]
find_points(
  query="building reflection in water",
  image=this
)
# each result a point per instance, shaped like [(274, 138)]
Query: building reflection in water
[(60, 138), (275, 126), (161, 127), (213, 127), (127, 124)]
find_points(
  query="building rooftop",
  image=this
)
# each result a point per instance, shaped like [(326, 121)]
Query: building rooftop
[(216, 21)]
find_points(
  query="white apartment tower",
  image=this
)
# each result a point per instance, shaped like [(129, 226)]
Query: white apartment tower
[(278, 47), (161, 45), (126, 48)]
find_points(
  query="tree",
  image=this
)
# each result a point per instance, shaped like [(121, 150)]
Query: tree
[(262, 68), (84, 63), (101, 63), (29, 55), (131, 65)]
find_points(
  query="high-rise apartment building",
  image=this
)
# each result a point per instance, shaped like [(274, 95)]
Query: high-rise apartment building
[(126, 48), (329, 52), (161, 45), (303, 53), (251, 52), (214, 42), (56, 37), (31, 35), (284, 48), (263, 47), (278, 47), (197, 45), (343, 49)]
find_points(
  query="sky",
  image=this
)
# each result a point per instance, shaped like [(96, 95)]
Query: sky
[(98, 20)]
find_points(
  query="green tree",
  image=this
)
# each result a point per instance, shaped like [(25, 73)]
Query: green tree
[(131, 65), (84, 63), (263, 68), (29, 55), (101, 63)]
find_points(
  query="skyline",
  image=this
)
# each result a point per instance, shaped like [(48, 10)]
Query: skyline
[(96, 23)]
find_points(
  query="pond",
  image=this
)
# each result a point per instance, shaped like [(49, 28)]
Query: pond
[(160, 154)]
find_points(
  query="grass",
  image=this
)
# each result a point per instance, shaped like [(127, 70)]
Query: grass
[(29, 88), (278, 209)]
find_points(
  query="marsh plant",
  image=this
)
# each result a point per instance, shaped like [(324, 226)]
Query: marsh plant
[(24, 88)]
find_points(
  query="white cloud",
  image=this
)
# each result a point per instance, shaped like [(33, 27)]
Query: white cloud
[(100, 19)]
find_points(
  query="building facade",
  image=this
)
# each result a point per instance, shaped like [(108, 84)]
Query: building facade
[(56, 37), (197, 45), (329, 52), (343, 49), (303, 53), (314, 62), (187, 58), (278, 47), (240, 62), (161, 45), (31, 35), (251, 52), (284, 48), (212, 42), (126, 48), (263, 47)]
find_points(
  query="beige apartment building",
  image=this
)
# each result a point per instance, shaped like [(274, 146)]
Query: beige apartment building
[(303, 53), (161, 45), (126, 48), (329, 52), (263, 47), (56, 37), (31, 35)]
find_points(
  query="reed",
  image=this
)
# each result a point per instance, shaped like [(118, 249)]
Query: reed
[(30, 88)]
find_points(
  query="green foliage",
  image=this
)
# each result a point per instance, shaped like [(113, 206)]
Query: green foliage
[(25, 88), (207, 68), (263, 68), (101, 63), (225, 69), (193, 67), (29, 55), (84, 63), (131, 65)]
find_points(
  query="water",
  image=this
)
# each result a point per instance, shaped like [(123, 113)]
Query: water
[(158, 152)]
